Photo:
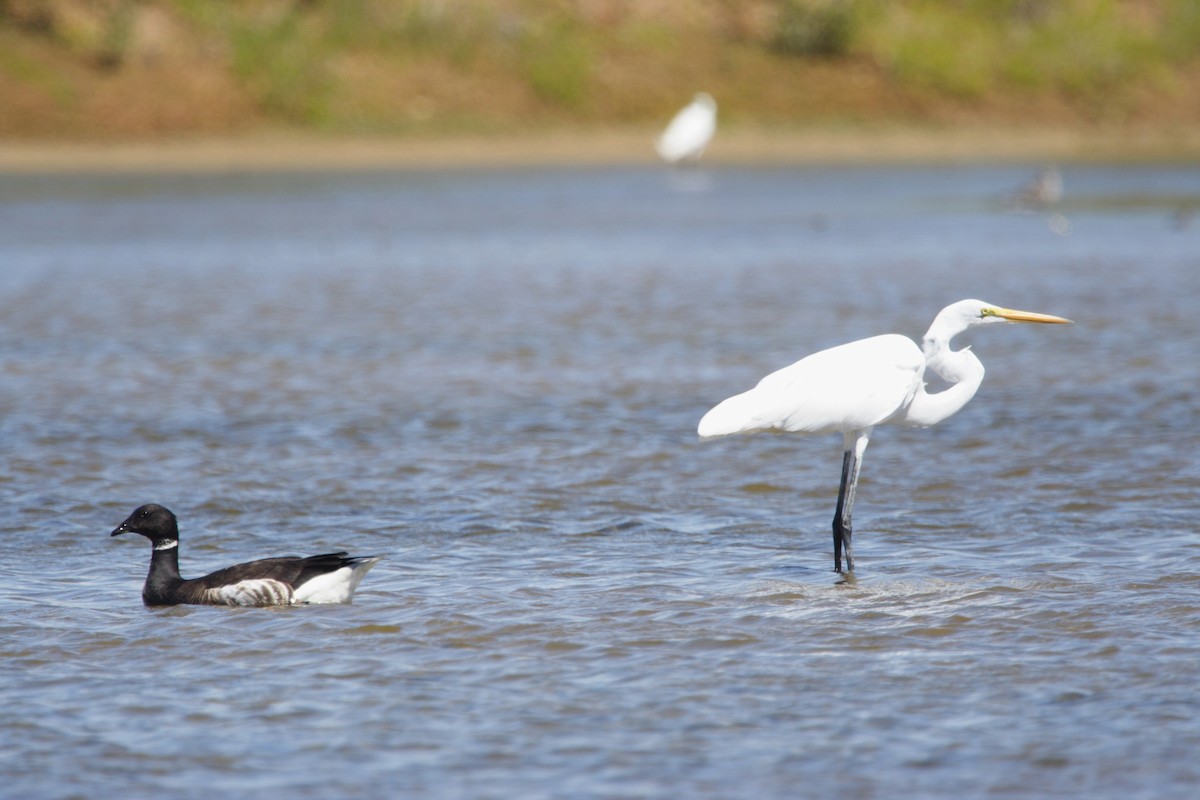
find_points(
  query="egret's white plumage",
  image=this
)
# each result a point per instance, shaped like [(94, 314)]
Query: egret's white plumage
[(851, 388), (861, 384), (687, 135)]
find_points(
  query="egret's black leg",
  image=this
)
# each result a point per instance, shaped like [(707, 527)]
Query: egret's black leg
[(856, 443), (841, 517)]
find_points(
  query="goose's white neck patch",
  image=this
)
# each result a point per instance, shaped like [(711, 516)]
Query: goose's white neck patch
[(166, 544)]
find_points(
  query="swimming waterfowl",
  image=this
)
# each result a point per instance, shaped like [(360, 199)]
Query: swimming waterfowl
[(286, 581)]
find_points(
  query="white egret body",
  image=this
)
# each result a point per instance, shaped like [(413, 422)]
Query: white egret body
[(851, 388), (689, 132)]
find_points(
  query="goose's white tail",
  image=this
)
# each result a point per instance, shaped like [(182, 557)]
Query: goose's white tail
[(334, 587)]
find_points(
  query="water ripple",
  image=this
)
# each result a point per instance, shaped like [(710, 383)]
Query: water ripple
[(493, 380)]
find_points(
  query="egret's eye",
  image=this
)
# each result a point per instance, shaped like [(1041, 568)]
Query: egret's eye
[(987, 312)]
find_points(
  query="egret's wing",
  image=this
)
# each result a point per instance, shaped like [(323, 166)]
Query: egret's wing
[(850, 387)]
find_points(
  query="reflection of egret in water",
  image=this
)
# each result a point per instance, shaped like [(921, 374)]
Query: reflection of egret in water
[(689, 132), (852, 388), (689, 181)]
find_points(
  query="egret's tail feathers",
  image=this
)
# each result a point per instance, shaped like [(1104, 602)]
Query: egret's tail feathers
[(735, 415)]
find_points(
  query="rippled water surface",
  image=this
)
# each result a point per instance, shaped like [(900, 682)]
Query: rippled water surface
[(494, 378)]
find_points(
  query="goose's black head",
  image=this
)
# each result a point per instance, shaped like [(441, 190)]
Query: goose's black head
[(152, 521)]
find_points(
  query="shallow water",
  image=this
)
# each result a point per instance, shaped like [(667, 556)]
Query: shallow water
[(494, 378)]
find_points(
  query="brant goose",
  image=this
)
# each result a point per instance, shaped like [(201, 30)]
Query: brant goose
[(287, 581)]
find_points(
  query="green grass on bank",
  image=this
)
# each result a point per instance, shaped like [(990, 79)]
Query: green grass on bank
[(398, 64)]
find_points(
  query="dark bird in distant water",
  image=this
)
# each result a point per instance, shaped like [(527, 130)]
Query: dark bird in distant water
[(1046, 189), (286, 581)]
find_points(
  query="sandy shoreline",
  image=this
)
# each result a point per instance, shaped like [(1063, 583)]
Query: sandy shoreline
[(597, 148)]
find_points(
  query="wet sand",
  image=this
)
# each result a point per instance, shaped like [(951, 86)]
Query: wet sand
[(289, 151)]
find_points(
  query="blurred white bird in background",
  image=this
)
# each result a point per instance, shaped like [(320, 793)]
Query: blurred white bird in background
[(689, 132), (854, 387)]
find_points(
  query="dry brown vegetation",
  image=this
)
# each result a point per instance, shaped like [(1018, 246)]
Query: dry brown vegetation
[(121, 69)]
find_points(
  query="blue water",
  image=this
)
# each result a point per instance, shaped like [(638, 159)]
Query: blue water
[(493, 378)]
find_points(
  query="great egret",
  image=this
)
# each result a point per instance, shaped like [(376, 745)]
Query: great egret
[(689, 132), (851, 388)]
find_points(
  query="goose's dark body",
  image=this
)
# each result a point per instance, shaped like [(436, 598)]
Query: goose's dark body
[(289, 580)]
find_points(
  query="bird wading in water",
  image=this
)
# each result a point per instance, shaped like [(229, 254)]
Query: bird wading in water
[(687, 135), (851, 388)]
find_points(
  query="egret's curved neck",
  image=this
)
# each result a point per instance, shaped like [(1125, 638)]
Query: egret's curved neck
[(960, 368)]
